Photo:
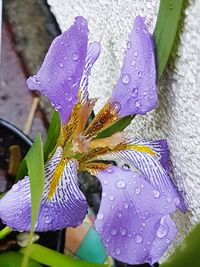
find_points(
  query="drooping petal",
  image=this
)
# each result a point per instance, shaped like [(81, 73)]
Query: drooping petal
[(61, 72), (129, 218), (66, 207), (150, 167), (93, 53), (160, 147), (136, 92)]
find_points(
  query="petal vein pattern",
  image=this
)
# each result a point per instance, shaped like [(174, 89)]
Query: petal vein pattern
[(67, 207)]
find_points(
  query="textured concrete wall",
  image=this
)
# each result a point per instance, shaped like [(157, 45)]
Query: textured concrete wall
[(178, 115)]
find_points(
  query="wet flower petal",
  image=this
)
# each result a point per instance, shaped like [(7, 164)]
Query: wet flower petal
[(61, 72), (93, 53), (136, 91), (67, 206), (150, 167), (130, 214)]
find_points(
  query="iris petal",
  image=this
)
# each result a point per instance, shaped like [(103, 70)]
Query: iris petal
[(61, 72), (93, 53), (136, 92), (67, 206), (150, 167), (130, 216)]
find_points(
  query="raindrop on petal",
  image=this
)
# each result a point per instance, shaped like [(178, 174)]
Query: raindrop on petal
[(136, 53), (116, 106), (16, 187), (156, 193), (111, 197), (128, 45), (138, 103), (139, 74), (110, 169), (123, 231), (113, 232), (117, 251), (134, 92), (48, 219), (126, 205), (138, 239), (61, 65), (100, 216), (137, 191), (75, 56), (120, 183), (126, 78), (162, 230), (133, 62)]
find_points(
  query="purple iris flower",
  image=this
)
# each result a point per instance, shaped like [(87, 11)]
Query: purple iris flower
[(134, 220)]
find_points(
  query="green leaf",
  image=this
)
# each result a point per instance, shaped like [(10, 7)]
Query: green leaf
[(35, 164), (14, 259), (187, 254), (165, 31), (52, 135), (55, 259), (164, 35)]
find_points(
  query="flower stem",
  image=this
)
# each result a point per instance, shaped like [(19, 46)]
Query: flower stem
[(5, 231)]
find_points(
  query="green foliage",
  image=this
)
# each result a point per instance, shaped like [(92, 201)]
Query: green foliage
[(52, 135), (55, 259), (187, 254), (14, 259)]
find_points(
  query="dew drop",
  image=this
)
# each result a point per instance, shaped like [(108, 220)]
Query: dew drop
[(117, 251), (110, 169), (100, 216), (156, 193), (75, 56), (176, 201), (123, 231), (116, 106), (137, 191), (15, 187), (126, 205), (162, 231), (61, 65), (36, 80), (48, 219), (111, 197), (126, 168), (138, 239), (105, 182), (138, 103), (113, 232), (136, 53), (120, 183), (126, 78), (133, 63), (128, 45), (139, 74), (104, 194), (134, 92)]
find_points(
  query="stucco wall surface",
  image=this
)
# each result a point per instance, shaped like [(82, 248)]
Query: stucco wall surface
[(178, 117)]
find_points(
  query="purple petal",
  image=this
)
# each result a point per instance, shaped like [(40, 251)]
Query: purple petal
[(150, 167), (130, 215), (61, 72), (136, 91), (93, 53), (67, 207), (160, 147)]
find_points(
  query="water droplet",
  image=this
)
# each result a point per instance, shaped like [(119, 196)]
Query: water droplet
[(120, 183), (156, 193), (126, 205), (36, 80), (136, 53), (57, 107), (133, 63), (143, 224), (113, 232), (176, 201), (75, 56), (48, 219), (123, 231), (162, 231), (138, 239), (168, 199), (137, 191), (100, 216), (138, 103), (117, 251), (104, 194), (134, 92), (126, 168), (128, 45), (111, 197), (105, 182), (116, 106), (61, 65), (16, 187), (110, 169), (126, 78), (139, 74)]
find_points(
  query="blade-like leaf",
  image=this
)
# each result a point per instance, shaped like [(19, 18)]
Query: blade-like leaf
[(35, 164), (164, 35), (55, 259), (14, 259), (187, 254), (52, 135)]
